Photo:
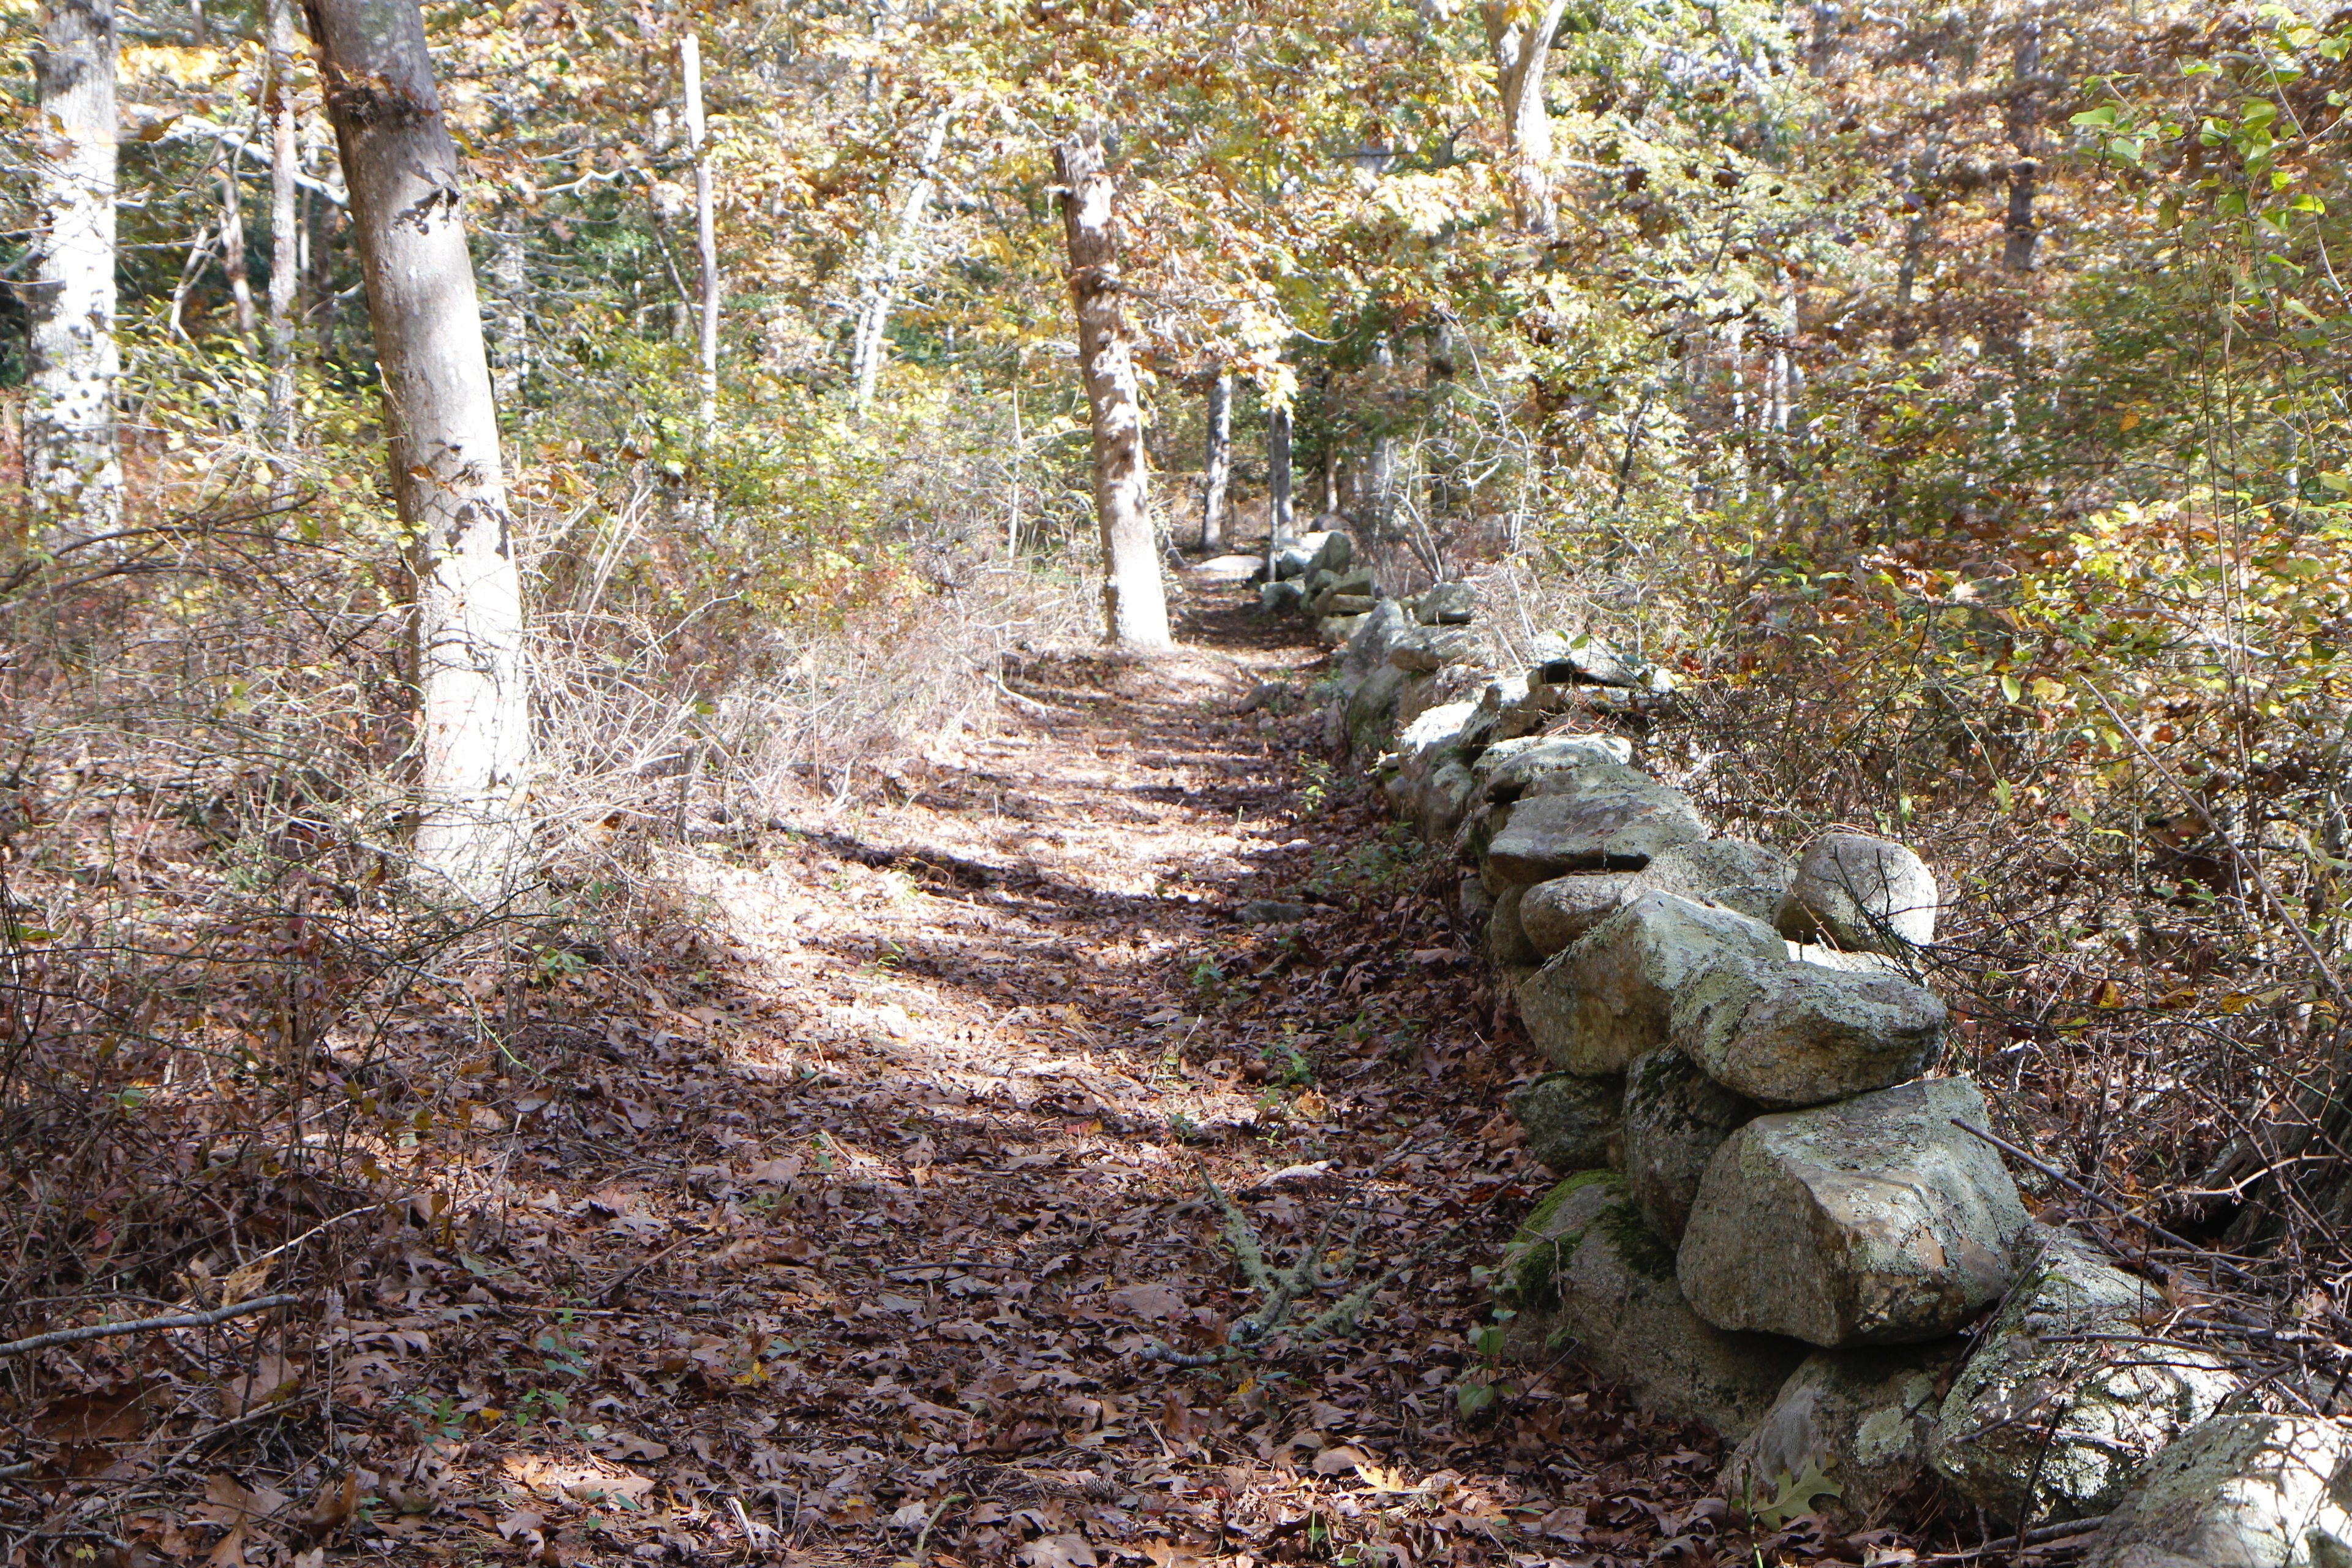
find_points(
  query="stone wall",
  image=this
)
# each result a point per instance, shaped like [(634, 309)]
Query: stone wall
[(1774, 1213)]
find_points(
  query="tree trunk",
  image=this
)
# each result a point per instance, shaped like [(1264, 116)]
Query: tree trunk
[(509, 313), (1277, 473), (1518, 36), (285, 222), (1134, 603), (706, 241), (442, 430), (73, 471), (1217, 471), (880, 293), (240, 278), (2022, 115)]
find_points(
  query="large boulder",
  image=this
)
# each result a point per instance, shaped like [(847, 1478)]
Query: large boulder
[(1447, 605), (1748, 878), (1367, 648), (1279, 596), (1371, 711), (1604, 1000), (1603, 817), (1583, 658), (2239, 1492), (2062, 1403), (1796, 1033), (1509, 768), (1862, 894), (1334, 550), (1583, 1272), (1506, 944), (1873, 1222), (1425, 650), (1555, 913), (1572, 1123), (1675, 1118), (1862, 1420), (1225, 571)]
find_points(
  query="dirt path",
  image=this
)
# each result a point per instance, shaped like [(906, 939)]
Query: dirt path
[(847, 1233)]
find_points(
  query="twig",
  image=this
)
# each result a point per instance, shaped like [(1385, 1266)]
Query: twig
[(2064, 1534), (2105, 1203), (625, 1275), (141, 1325)]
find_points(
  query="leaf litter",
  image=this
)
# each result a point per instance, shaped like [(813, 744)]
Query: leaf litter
[(887, 1200)]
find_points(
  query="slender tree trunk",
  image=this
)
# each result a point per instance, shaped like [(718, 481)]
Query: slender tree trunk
[(73, 471), (1217, 471), (509, 313), (705, 238), (1278, 472), (880, 292), (1383, 469), (285, 221), (240, 278), (1134, 602), (2022, 115), (1518, 36), (442, 428), (1332, 463)]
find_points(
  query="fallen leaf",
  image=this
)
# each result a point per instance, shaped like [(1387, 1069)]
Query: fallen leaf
[(1059, 1552), (1334, 1461), (1148, 1301)]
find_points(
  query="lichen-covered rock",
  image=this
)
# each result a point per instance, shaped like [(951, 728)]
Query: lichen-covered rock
[(1675, 1118), (1863, 1418), (1561, 660), (1426, 650), (1555, 913), (1850, 963), (1372, 710), (2059, 1407), (1275, 597), (1506, 944), (1796, 1033), (1584, 1272), (1447, 605), (2239, 1492), (1748, 878), (1474, 902), (1511, 767), (1862, 894), (1334, 630), (1604, 1000), (1572, 1123), (1603, 817), (1873, 1222), (1369, 644)]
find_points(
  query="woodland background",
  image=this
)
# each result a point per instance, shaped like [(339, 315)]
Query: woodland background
[(1954, 393)]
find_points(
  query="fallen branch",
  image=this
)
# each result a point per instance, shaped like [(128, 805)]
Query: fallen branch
[(141, 1325), (2047, 1538), (2108, 1203)]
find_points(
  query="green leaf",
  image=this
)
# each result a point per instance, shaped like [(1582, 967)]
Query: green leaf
[(1797, 1494), (2102, 117), (2012, 688), (1472, 1397)]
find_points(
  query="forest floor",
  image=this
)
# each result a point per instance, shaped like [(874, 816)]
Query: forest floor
[(848, 1227)]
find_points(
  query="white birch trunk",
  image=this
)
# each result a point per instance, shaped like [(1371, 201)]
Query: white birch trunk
[(1217, 469), (1134, 602), (474, 719), (1518, 36), (705, 239), (866, 352), (240, 278), (73, 471), (284, 219)]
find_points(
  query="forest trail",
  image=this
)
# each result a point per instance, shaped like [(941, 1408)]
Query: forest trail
[(853, 1251)]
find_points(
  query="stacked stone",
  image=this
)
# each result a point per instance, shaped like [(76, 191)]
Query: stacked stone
[(1769, 1219)]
